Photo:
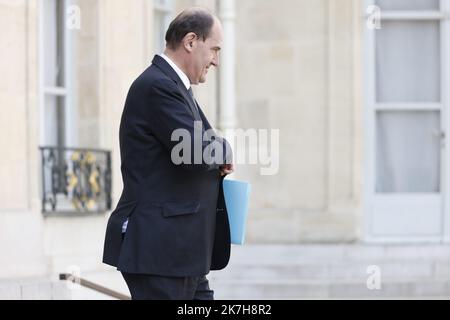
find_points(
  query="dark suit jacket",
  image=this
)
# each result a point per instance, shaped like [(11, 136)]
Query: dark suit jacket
[(178, 224)]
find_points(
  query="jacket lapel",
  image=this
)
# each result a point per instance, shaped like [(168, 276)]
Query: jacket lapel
[(167, 69)]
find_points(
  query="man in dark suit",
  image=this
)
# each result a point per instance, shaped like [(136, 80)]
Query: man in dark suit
[(170, 227)]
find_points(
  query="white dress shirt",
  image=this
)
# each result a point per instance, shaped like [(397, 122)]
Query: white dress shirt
[(179, 72)]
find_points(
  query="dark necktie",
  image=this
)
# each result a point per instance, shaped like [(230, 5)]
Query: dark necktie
[(193, 98)]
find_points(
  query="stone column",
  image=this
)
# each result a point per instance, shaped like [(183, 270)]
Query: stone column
[(227, 93)]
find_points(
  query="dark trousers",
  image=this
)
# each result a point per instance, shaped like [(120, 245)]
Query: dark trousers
[(152, 287)]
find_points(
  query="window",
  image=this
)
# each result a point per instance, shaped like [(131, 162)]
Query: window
[(55, 76), (407, 76), (408, 97), (162, 16), (387, 5)]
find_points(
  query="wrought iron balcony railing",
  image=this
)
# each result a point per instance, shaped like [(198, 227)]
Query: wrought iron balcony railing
[(75, 180)]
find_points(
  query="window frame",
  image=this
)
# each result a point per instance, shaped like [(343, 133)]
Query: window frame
[(66, 91), (166, 8)]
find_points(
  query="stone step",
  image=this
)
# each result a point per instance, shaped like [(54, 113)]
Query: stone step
[(33, 289), (338, 253), (313, 271), (293, 289), (334, 271)]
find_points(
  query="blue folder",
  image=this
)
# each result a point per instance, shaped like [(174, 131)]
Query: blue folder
[(236, 195)]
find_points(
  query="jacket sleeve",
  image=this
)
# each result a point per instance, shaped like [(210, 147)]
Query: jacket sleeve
[(169, 112)]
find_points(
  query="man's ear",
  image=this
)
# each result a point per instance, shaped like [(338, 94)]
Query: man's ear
[(189, 41)]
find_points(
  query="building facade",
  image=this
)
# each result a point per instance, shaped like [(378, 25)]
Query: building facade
[(361, 114)]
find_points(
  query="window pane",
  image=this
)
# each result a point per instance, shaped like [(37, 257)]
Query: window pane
[(408, 61), (54, 121), (161, 3), (408, 151), (53, 34), (408, 4), (159, 29)]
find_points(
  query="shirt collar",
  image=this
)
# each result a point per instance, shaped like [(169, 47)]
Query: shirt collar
[(179, 72)]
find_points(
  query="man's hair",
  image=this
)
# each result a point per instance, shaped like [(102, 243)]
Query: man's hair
[(198, 21)]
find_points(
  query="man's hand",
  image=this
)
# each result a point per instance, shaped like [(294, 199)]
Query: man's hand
[(226, 169)]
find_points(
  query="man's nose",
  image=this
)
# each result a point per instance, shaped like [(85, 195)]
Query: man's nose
[(215, 61)]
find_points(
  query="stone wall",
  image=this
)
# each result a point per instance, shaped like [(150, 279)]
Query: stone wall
[(298, 71)]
